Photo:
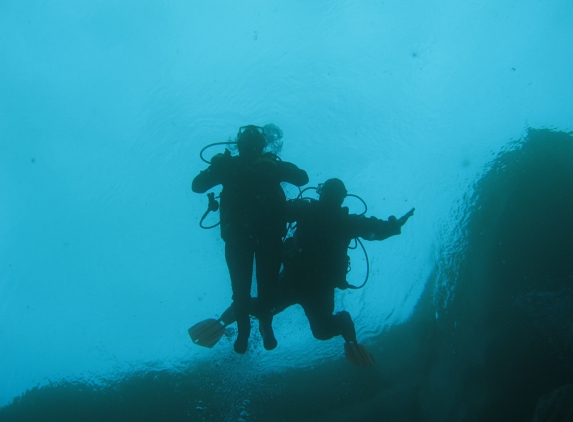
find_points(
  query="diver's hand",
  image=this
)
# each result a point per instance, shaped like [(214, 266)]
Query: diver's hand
[(268, 158), (402, 220), (219, 160), (267, 162)]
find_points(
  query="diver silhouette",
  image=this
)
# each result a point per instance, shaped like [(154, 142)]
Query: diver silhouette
[(315, 262), (252, 223)]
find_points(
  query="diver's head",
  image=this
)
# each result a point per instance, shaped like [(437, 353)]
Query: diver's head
[(332, 192), (251, 140)]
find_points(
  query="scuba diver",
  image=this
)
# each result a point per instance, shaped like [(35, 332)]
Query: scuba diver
[(252, 224), (315, 263)]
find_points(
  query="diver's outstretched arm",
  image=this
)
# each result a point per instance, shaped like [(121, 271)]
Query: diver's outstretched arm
[(402, 220)]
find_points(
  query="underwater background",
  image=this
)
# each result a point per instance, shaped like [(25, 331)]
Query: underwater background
[(461, 109)]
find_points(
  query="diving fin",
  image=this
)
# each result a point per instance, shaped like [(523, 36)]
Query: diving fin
[(207, 333), (358, 355)]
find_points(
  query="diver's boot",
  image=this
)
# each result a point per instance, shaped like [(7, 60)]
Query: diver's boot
[(266, 330), (242, 341)]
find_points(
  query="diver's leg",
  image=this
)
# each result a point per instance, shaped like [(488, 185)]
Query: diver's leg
[(283, 298), (318, 308), (268, 262), (345, 325), (254, 307), (318, 305), (239, 259), (285, 295), (228, 317)]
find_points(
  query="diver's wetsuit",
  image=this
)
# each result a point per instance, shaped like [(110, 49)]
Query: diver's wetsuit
[(252, 222), (316, 260)]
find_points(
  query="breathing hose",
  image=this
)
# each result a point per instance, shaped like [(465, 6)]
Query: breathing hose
[(212, 145), (213, 206)]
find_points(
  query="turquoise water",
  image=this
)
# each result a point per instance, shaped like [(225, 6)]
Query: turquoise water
[(103, 267)]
